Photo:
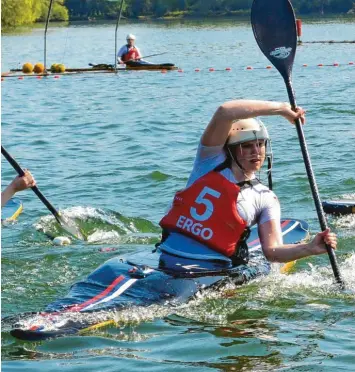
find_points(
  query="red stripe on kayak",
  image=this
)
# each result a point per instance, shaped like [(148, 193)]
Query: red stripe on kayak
[(74, 308), (282, 225), (97, 297)]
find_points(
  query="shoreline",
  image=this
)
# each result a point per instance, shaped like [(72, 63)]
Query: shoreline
[(171, 17)]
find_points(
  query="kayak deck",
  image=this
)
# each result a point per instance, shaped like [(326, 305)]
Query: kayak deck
[(139, 279), (150, 66)]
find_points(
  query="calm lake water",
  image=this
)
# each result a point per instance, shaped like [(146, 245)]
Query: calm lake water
[(112, 149)]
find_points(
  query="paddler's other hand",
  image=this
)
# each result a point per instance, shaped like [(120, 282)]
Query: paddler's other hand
[(291, 115), (24, 182), (317, 245)]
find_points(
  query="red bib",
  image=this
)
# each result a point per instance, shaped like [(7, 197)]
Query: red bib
[(206, 211), (131, 54)]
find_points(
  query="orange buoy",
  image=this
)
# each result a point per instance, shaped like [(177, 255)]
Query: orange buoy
[(249, 68), (39, 77), (180, 70), (320, 65), (197, 69), (305, 65), (163, 71), (211, 69), (27, 68), (299, 27), (351, 63), (20, 77), (56, 76), (268, 67), (228, 69), (38, 68), (336, 64)]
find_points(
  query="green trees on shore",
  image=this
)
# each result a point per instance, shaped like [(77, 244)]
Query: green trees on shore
[(20, 12), (159, 8)]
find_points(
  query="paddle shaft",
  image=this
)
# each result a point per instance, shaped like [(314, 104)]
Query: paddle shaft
[(130, 60), (35, 189), (275, 30), (312, 181)]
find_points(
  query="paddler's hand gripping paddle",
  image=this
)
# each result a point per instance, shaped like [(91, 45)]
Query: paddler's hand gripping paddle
[(67, 225), (275, 31)]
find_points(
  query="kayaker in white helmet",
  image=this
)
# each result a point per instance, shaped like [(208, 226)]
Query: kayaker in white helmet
[(129, 52), (223, 197)]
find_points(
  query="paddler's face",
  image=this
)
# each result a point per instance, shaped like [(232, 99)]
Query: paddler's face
[(251, 154), (130, 42)]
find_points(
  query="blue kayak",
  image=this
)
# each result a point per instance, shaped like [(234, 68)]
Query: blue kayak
[(141, 279), (11, 210)]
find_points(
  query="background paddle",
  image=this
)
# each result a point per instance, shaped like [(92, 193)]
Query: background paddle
[(274, 27), (105, 66), (66, 224), (111, 67), (151, 55)]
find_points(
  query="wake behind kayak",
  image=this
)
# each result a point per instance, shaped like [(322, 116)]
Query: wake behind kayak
[(142, 279)]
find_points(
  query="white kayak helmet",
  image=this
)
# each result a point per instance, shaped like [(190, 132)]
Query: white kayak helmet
[(130, 37), (247, 130), (250, 130)]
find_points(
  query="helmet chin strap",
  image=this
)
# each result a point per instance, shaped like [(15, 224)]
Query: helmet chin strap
[(237, 163)]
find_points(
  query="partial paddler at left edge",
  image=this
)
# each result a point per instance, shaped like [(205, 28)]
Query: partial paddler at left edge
[(68, 225)]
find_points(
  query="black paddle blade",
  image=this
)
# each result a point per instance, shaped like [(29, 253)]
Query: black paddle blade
[(274, 27)]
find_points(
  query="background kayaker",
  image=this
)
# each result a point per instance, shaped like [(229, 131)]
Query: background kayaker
[(232, 149), (17, 184), (129, 51)]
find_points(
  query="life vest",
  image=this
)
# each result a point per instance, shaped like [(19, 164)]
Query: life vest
[(131, 53), (207, 212)]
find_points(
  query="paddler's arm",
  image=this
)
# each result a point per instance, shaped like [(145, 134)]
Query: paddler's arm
[(120, 53), (218, 128), (275, 251), (17, 184)]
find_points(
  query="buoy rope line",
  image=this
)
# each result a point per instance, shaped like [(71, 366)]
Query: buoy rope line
[(56, 75)]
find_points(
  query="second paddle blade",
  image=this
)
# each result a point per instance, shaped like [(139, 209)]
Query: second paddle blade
[(69, 226), (274, 27)]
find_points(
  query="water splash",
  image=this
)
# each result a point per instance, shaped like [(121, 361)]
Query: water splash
[(102, 226)]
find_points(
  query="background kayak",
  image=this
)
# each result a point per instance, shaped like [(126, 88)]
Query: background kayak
[(150, 66), (11, 210)]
